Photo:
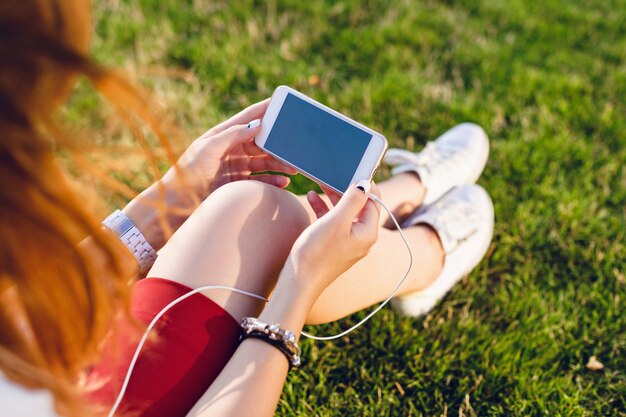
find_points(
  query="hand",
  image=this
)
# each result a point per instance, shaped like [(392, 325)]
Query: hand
[(340, 237), (224, 154), (227, 153)]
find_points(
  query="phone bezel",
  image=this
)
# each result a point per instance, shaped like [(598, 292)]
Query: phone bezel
[(371, 157)]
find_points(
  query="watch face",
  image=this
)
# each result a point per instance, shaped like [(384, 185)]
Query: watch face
[(125, 226)]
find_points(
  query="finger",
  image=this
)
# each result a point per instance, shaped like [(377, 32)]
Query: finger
[(270, 164), (366, 226), (350, 204), (375, 190), (333, 195), (317, 204), (370, 215), (365, 229), (250, 148), (279, 181), (255, 111), (235, 135)]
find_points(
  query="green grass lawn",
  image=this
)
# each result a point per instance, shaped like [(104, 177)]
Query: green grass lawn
[(547, 81)]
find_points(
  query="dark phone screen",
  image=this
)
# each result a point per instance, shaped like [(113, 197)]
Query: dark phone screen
[(317, 142)]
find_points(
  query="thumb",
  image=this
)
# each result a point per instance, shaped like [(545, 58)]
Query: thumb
[(351, 203)]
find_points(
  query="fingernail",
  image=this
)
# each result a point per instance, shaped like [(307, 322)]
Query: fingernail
[(254, 123), (363, 185)]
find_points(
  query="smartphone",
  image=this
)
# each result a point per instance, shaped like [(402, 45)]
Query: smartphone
[(321, 143)]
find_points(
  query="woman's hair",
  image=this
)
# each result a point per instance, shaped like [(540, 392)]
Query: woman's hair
[(62, 277)]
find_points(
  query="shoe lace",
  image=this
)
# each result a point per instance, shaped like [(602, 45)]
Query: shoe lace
[(460, 219), (433, 156)]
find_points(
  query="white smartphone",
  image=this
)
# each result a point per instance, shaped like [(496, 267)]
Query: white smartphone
[(321, 143)]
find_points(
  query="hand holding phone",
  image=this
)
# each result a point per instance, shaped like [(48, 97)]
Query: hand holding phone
[(321, 143), (344, 234)]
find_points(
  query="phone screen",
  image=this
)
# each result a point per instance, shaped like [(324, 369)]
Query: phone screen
[(317, 142)]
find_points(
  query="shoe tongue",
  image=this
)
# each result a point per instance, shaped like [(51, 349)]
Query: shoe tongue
[(450, 230), (424, 173), (448, 242)]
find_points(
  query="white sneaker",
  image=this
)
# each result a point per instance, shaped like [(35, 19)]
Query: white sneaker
[(455, 158), (463, 220)]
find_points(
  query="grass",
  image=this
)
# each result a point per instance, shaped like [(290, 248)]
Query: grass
[(547, 81)]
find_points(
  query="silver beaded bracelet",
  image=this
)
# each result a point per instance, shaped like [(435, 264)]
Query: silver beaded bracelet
[(130, 236), (284, 340)]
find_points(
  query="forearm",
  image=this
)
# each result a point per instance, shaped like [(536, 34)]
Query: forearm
[(252, 381), (158, 212)]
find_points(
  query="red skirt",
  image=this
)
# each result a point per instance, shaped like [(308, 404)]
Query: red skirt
[(187, 350)]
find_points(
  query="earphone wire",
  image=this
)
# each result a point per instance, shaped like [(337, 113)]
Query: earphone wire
[(154, 321)]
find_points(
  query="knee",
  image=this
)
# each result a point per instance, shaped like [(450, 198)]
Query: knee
[(258, 200), (245, 188), (251, 194)]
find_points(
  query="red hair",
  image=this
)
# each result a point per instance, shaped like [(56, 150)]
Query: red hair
[(62, 277)]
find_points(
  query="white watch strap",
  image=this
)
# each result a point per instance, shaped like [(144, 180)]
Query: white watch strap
[(130, 236)]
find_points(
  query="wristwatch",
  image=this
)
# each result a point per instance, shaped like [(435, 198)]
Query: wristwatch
[(130, 236)]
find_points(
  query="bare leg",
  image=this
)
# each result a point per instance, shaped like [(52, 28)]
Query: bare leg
[(402, 193), (372, 279)]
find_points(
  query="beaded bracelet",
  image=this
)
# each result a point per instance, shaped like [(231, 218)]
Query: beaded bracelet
[(283, 340), (278, 345)]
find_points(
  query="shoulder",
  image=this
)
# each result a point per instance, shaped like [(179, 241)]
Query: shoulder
[(18, 401)]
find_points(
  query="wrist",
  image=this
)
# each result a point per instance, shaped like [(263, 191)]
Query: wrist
[(308, 281), (289, 305), (157, 212)]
